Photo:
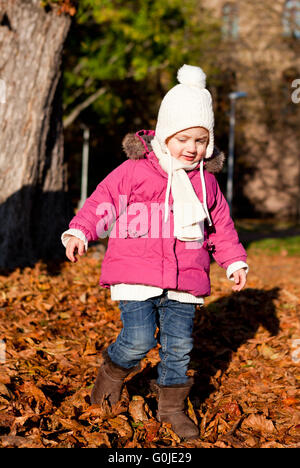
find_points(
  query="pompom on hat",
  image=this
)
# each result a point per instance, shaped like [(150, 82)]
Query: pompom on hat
[(186, 105)]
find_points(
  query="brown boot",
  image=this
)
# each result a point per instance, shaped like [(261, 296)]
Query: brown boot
[(109, 381), (171, 410)]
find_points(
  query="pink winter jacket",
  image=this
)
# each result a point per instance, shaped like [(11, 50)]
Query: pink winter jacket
[(129, 205)]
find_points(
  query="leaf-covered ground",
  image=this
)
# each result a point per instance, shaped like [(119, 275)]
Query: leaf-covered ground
[(55, 321)]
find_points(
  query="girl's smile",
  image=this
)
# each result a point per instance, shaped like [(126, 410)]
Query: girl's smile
[(189, 145)]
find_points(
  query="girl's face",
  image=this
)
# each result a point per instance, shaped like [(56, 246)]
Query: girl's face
[(189, 145)]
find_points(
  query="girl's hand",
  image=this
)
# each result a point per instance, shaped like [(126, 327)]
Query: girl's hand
[(74, 245), (239, 279)]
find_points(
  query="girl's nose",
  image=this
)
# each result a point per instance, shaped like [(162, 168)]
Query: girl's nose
[(191, 146)]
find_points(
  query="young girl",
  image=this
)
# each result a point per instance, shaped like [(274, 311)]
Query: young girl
[(164, 212)]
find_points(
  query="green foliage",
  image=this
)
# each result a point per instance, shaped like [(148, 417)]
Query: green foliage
[(285, 245), (126, 45)]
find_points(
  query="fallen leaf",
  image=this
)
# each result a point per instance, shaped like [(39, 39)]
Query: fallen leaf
[(20, 442), (152, 428), (271, 444), (232, 410), (258, 423), (4, 391), (6, 419), (191, 412), (268, 352), (32, 392), (137, 409), (97, 439), (121, 425), (290, 401)]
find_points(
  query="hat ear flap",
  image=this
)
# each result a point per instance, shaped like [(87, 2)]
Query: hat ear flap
[(210, 146)]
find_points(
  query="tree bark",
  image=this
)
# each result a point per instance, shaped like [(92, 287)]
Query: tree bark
[(34, 206)]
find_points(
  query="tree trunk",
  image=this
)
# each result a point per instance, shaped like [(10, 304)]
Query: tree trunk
[(34, 207)]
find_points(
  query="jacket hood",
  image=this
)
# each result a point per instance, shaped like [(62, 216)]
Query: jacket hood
[(138, 146)]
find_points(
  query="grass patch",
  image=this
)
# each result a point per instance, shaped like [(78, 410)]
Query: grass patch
[(284, 245)]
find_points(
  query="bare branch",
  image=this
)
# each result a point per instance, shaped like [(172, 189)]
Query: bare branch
[(83, 105)]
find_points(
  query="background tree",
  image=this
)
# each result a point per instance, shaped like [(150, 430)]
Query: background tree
[(33, 204)]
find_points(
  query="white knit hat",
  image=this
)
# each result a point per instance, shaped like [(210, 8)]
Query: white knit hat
[(186, 105)]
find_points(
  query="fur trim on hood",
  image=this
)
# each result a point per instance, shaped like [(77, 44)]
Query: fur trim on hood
[(137, 145)]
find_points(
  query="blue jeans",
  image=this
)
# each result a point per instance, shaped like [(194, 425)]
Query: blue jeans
[(140, 320)]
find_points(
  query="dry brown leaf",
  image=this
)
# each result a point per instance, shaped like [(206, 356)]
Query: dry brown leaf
[(4, 376), (152, 428), (169, 432), (258, 423), (268, 352), (20, 442), (4, 391), (121, 425), (295, 431), (92, 411), (232, 410), (32, 392), (6, 419), (137, 409), (97, 439), (290, 401), (271, 444)]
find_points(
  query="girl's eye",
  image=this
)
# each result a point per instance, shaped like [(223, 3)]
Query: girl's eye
[(183, 140)]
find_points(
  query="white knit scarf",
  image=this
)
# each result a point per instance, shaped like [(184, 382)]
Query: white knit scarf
[(189, 212)]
